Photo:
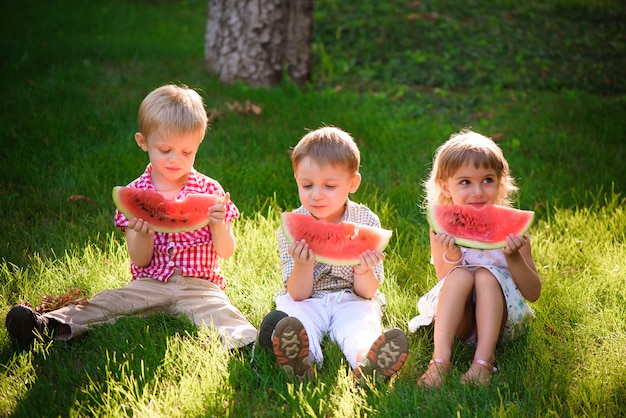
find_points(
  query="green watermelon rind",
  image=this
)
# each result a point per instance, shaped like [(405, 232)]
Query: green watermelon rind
[(480, 245), (116, 193), (384, 233)]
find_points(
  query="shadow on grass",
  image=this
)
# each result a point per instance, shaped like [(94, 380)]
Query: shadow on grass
[(512, 392), (75, 375), (261, 388)]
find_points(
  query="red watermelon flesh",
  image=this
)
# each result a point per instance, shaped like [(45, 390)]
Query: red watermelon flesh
[(484, 228), (164, 215), (337, 244)]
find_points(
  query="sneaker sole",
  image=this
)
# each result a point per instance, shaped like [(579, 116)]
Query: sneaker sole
[(291, 347), (388, 353)]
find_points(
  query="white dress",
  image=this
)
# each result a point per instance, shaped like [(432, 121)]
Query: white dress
[(519, 312)]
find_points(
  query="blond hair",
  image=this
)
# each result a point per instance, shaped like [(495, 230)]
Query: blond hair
[(328, 146), (468, 147), (172, 110)]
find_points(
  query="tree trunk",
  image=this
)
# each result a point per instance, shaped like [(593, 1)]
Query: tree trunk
[(299, 39), (256, 40)]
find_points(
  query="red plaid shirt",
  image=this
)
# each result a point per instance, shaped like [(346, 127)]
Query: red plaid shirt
[(191, 253)]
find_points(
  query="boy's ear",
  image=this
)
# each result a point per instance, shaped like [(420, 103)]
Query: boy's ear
[(356, 182), (141, 141)]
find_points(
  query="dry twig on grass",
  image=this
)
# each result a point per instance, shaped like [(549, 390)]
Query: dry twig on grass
[(50, 303)]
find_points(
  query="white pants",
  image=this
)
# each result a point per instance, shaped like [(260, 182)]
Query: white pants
[(354, 324)]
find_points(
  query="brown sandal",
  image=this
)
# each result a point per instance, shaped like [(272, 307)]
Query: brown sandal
[(479, 379), (434, 379)]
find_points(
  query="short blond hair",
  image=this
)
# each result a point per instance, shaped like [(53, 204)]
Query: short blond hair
[(468, 147), (328, 145), (172, 110)]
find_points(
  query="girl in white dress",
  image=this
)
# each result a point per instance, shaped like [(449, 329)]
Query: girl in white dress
[(481, 295)]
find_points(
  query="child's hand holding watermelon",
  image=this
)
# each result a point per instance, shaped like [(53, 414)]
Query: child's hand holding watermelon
[(217, 212), (367, 260), (302, 253)]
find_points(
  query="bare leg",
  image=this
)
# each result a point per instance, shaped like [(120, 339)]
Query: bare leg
[(490, 318), (454, 317)]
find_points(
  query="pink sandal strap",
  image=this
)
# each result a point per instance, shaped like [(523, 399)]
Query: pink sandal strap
[(486, 365), (434, 378), (439, 361)]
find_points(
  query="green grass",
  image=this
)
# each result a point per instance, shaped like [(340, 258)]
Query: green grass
[(545, 78)]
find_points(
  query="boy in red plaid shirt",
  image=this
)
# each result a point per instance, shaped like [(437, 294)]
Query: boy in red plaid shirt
[(176, 273)]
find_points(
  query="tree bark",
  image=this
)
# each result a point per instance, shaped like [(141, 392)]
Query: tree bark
[(257, 40)]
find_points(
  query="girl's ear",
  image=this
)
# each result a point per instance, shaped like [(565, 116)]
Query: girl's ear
[(141, 141), (443, 185), (355, 183)]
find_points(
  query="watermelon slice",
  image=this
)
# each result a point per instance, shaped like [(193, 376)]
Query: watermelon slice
[(165, 215), (337, 244), (484, 228)]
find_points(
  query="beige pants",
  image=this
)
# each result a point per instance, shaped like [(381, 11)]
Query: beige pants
[(202, 301)]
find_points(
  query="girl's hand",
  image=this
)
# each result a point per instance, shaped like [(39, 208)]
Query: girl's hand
[(217, 212), (452, 251), (140, 226), (514, 243), (446, 241), (301, 252), (368, 259)]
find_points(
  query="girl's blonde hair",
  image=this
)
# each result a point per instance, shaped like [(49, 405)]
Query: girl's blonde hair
[(328, 146), (468, 147), (172, 110)]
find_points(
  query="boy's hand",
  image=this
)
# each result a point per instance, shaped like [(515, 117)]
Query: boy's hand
[(301, 252), (217, 213), (140, 226), (368, 259)]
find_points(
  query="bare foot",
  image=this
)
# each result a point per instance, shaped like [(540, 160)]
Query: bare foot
[(432, 378), (479, 373)]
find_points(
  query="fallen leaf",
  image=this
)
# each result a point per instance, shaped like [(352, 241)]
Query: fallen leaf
[(71, 297), (77, 197)]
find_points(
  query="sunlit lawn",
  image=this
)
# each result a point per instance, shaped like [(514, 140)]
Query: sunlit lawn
[(73, 75)]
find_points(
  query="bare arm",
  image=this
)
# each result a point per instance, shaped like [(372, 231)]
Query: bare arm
[(221, 232), (519, 258), (223, 239), (140, 242), (300, 282), (443, 244), (365, 280)]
